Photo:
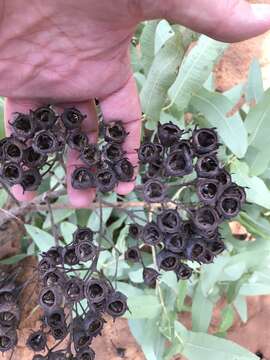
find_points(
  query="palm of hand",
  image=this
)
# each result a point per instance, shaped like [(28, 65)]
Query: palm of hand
[(67, 53)]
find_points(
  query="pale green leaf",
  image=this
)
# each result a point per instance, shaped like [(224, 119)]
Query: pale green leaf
[(143, 307), (195, 70), (254, 90), (42, 239), (201, 319), (164, 32), (240, 304), (67, 229), (147, 42)]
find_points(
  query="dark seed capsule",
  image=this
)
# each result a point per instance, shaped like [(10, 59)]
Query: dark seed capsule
[(124, 170), (207, 166), (167, 260), (33, 159), (93, 323), (148, 153), (37, 341), (195, 250), (204, 141), (178, 163), (169, 134), (115, 132), (44, 117), (55, 253), (11, 173), (224, 178), (50, 298), (216, 247), (150, 276), (45, 265), (152, 235), (55, 318), (9, 315), (183, 272), (90, 155), (237, 191), (169, 221), (31, 179), (13, 150), (8, 340), (207, 190), (86, 354), (69, 255), (154, 191), (96, 290), (206, 219), (83, 234), (228, 206), (23, 126), (135, 231), (175, 242), (133, 254), (112, 152), (106, 180), (59, 333), (116, 304), (44, 142), (74, 289), (85, 251), (72, 118), (182, 145), (207, 257), (77, 140), (81, 339), (82, 179)]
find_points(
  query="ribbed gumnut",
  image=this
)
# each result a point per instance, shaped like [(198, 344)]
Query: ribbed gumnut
[(77, 140), (56, 254), (207, 190), (206, 219), (183, 272), (228, 206), (207, 166), (86, 353), (93, 323), (175, 242), (182, 145), (8, 339), (45, 142), (85, 251), (2, 143), (45, 265), (152, 234), (83, 234), (195, 249), (55, 318), (207, 257), (150, 276), (90, 155), (178, 163), (74, 289), (37, 341), (106, 180), (44, 117), (216, 247), (69, 255), (82, 179), (72, 118), (9, 315), (167, 260), (169, 221), (80, 338), (204, 141), (116, 304), (60, 332), (13, 150), (23, 126), (224, 178), (11, 173), (237, 191), (133, 254), (124, 170), (169, 133), (7, 295), (115, 132), (148, 153), (154, 191), (33, 159), (135, 231), (112, 152), (31, 180), (96, 290), (50, 298), (56, 355)]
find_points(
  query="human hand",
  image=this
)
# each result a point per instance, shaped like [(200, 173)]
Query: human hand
[(67, 53)]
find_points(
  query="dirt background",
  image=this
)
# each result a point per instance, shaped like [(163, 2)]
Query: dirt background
[(117, 342)]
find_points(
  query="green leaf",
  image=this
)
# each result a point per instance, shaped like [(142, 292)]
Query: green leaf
[(256, 225), (227, 319), (258, 124), (195, 70), (254, 91), (3, 197), (148, 336), (67, 229), (258, 160), (42, 239), (216, 107), (147, 42), (251, 289), (202, 309), (143, 307), (161, 76), (164, 32), (198, 346), (58, 216), (182, 293), (13, 259), (95, 218), (240, 304), (257, 191)]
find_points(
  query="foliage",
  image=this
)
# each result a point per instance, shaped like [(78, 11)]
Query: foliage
[(173, 82)]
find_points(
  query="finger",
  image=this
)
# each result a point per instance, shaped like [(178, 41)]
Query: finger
[(124, 105), (224, 20), (81, 198), (23, 106)]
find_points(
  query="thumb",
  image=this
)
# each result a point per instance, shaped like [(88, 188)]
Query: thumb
[(224, 20)]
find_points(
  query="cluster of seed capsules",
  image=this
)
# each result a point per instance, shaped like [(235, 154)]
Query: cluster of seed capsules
[(63, 297), (9, 312), (38, 137), (184, 232)]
